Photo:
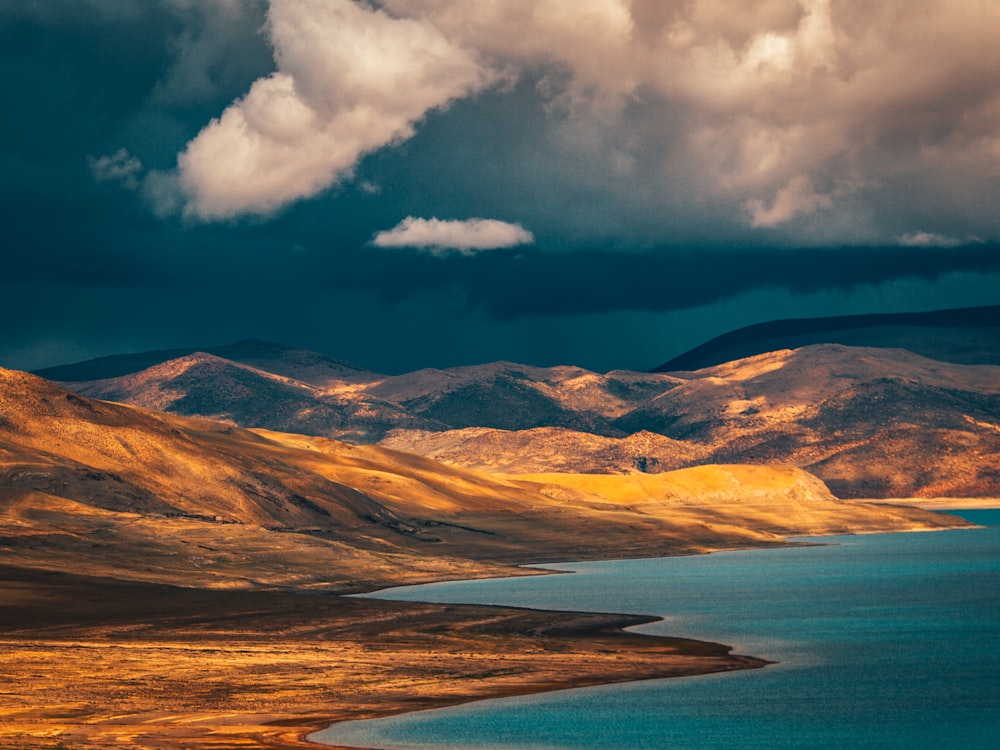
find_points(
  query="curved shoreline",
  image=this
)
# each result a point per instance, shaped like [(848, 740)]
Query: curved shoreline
[(101, 662), (597, 627), (583, 625), (751, 662), (95, 662)]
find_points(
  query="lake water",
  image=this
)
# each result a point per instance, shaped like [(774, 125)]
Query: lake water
[(884, 641)]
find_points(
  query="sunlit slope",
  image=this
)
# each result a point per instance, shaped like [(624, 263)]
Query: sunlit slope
[(105, 489), (872, 422), (781, 500), (290, 362), (869, 422), (550, 449), (363, 409), (97, 487)]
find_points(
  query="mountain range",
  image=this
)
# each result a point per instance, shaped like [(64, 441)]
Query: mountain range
[(131, 494), (166, 572), (871, 422)]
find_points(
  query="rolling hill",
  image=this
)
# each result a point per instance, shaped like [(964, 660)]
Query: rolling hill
[(165, 578), (499, 395), (206, 385), (871, 422), (130, 494)]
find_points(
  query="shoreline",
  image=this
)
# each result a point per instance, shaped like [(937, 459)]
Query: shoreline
[(620, 623), (936, 504), (751, 663), (93, 662), (97, 662)]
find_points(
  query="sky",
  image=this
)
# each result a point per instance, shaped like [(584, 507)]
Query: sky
[(431, 183)]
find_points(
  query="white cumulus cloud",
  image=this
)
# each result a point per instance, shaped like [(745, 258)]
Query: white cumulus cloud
[(781, 108), (855, 116), (468, 237), (350, 80)]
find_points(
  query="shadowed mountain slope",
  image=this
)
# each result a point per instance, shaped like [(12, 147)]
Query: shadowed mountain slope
[(968, 336), (126, 493), (509, 396), (499, 395)]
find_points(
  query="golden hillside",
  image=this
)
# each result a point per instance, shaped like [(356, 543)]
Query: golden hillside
[(871, 422), (128, 493), (164, 581)]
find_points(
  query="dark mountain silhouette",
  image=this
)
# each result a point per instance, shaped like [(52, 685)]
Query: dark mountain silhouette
[(964, 336)]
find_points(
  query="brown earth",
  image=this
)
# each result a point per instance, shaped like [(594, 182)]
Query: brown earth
[(871, 422), (126, 493), (92, 663), (169, 582)]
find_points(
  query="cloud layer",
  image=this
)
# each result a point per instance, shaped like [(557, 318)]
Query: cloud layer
[(684, 167), (350, 80), (825, 120), (468, 237), (790, 107)]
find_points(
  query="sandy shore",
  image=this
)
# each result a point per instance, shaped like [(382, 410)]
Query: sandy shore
[(91, 663)]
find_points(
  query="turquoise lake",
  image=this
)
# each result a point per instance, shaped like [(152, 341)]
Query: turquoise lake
[(882, 641)]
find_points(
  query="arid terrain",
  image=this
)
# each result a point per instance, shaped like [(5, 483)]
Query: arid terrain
[(101, 663), (104, 485), (304, 301), (860, 418), (169, 581)]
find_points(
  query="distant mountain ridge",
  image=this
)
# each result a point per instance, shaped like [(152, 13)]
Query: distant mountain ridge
[(301, 364), (870, 421), (963, 336), (499, 395), (206, 385)]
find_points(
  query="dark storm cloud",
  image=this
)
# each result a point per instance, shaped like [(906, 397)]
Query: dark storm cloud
[(89, 77), (95, 93), (663, 157), (511, 284)]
